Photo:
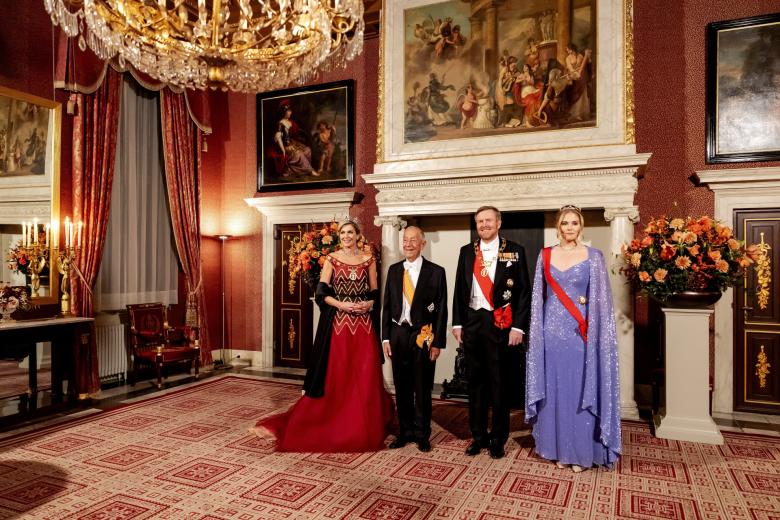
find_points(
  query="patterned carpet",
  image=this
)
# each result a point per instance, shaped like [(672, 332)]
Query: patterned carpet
[(188, 455)]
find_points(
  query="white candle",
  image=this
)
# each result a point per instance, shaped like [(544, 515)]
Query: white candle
[(81, 225), (70, 235), (35, 231), (67, 234), (24, 231)]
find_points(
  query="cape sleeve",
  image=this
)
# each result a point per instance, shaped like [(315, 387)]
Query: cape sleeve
[(314, 382), (601, 393), (534, 369)]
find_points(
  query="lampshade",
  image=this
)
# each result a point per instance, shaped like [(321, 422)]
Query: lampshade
[(242, 45)]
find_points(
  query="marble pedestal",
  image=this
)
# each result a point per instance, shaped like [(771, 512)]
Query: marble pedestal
[(687, 378)]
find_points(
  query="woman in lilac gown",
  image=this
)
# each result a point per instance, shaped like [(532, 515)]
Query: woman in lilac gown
[(572, 394)]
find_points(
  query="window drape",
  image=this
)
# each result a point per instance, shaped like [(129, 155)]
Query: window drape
[(139, 260)]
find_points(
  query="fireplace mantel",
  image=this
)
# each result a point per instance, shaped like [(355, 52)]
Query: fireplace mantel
[(604, 177)]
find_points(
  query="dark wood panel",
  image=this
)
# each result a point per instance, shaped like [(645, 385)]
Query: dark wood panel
[(757, 316)]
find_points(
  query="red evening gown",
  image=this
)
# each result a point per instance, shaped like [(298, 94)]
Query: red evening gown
[(355, 410)]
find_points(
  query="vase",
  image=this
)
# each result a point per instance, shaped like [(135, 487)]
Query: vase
[(5, 313), (691, 299)]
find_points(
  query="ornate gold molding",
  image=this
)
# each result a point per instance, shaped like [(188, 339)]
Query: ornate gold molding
[(629, 72), (763, 274), (291, 335), (762, 368), (380, 107)]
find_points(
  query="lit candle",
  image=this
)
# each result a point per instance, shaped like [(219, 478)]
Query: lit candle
[(29, 234), (67, 228), (24, 229), (35, 231), (47, 235), (70, 234), (81, 225)]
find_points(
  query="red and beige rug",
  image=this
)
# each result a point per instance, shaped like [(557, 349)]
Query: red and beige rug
[(188, 455)]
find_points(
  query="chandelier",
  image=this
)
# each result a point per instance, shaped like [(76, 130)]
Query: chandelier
[(242, 45)]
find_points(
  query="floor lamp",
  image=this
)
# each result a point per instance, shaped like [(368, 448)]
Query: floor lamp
[(222, 239)]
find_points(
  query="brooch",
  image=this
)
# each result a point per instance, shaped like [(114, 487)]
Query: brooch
[(582, 300), (431, 307), (507, 295), (509, 282)]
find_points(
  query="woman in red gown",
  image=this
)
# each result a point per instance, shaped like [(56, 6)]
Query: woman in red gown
[(345, 407)]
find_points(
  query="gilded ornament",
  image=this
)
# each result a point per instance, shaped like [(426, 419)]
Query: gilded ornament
[(762, 368), (291, 335), (763, 274)]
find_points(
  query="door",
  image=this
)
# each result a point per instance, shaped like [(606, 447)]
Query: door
[(292, 307), (757, 317)]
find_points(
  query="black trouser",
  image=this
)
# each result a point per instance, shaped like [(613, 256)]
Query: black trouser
[(486, 348), (413, 377)]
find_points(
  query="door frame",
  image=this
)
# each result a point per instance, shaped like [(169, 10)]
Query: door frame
[(735, 188), (288, 209)]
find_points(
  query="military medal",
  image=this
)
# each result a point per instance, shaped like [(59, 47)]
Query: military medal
[(509, 282)]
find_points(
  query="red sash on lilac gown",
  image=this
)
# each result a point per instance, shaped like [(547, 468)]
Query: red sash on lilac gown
[(355, 410)]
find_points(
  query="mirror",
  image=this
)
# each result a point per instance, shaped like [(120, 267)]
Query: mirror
[(29, 185)]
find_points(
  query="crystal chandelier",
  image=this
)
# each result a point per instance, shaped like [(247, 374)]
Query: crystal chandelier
[(242, 45)]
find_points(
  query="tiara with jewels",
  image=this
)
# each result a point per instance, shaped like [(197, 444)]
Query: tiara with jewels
[(350, 220), (571, 207)]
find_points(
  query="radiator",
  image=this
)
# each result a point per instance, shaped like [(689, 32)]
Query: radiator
[(111, 350)]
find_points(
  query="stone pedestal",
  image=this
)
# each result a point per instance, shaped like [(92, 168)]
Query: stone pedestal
[(687, 378)]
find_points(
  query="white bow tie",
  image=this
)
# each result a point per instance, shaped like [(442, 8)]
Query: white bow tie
[(491, 247)]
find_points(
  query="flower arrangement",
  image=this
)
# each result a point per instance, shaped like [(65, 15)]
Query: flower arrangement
[(691, 254), (11, 299), (18, 259), (307, 253)]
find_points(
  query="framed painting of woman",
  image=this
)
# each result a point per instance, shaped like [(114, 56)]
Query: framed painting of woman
[(305, 137)]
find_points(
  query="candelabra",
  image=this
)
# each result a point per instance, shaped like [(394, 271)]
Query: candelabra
[(66, 257), (36, 254)]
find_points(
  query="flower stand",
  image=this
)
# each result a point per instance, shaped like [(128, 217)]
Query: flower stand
[(687, 415)]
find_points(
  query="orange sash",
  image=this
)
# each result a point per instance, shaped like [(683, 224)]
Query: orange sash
[(502, 317)]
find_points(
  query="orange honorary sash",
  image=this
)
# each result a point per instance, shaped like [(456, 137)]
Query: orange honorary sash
[(562, 296), (502, 317)]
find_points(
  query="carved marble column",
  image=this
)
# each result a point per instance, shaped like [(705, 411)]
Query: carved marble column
[(391, 253), (621, 224)]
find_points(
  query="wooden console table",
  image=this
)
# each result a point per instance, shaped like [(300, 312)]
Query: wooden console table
[(66, 336)]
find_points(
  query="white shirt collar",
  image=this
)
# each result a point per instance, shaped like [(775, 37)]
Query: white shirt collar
[(489, 246), (417, 264)]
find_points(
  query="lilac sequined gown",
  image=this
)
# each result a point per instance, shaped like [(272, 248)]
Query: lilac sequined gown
[(567, 387)]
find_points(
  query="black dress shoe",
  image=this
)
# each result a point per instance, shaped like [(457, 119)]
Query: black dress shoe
[(399, 442), (424, 445), (496, 451), (474, 448)]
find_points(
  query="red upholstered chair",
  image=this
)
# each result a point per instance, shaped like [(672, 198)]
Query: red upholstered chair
[(155, 344)]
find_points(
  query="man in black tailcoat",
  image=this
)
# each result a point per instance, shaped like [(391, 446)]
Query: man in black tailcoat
[(414, 330), (490, 312)]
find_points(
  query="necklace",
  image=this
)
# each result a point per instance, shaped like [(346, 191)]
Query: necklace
[(351, 252), (565, 248)]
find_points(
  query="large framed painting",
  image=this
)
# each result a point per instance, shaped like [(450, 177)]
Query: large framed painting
[(743, 90), (306, 137), (29, 146), (468, 77)]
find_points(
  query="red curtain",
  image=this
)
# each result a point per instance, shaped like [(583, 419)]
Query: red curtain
[(95, 129), (182, 149)]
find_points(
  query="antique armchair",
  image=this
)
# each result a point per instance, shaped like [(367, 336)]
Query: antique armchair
[(155, 344)]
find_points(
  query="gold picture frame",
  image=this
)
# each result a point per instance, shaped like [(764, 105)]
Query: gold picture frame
[(30, 128)]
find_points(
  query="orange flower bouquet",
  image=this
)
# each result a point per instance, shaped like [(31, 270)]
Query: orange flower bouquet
[(307, 253), (692, 254)]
